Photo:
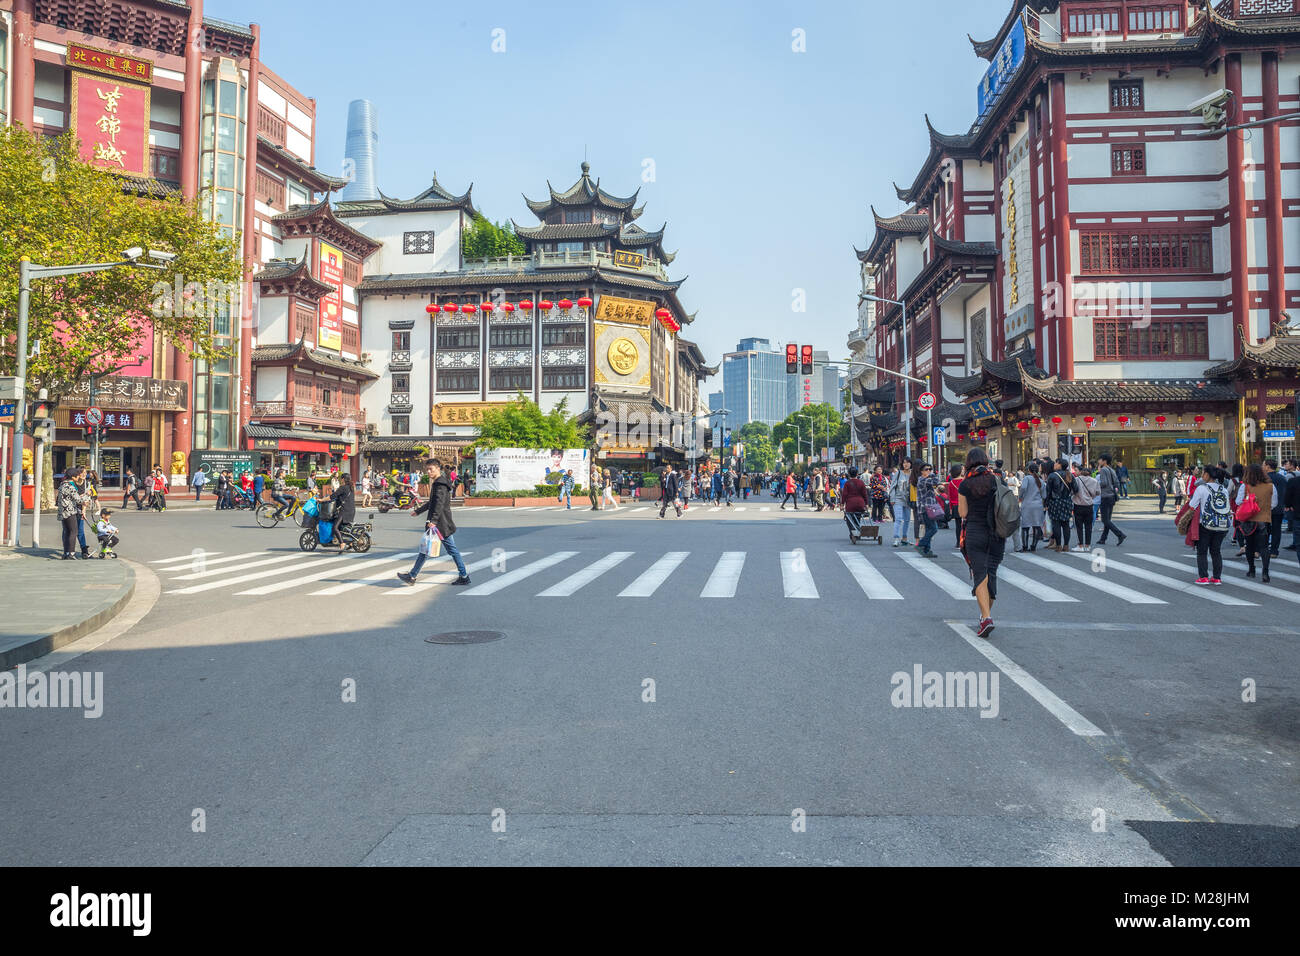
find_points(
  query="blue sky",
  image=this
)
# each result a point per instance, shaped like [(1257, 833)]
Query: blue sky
[(765, 160)]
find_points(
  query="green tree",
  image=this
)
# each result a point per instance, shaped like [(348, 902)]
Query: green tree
[(58, 210), (819, 422), (488, 240), (752, 430), (759, 454), (521, 423)]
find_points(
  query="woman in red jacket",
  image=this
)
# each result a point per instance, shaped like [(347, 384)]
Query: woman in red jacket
[(855, 504), (954, 482)]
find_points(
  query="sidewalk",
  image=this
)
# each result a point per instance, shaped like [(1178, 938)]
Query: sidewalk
[(46, 602)]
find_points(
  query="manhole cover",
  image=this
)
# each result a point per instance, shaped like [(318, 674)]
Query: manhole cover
[(465, 637)]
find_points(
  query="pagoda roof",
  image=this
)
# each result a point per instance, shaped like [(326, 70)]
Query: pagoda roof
[(966, 248), (294, 274), (328, 226), (634, 236), (301, 352), (312, 177), (397, 284), (148, 186), (889, 228), (1278, 351), (988, 49), (1109, 391), (882, 395), (696, 355), (570, 230), (433, 199), (585, 192), (955, 146), (1011, 370)]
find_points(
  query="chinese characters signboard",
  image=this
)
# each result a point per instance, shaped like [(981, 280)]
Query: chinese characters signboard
[(632, 260), (614, 309), (119, 392), (330, 334), (111, 120), (106, 61), (461, 413), (111, 420), (1004, 66)]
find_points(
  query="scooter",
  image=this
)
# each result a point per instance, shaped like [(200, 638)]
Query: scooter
[(404, 498), (319, 531)]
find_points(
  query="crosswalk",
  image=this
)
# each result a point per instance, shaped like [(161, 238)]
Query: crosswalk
[(798, 575), (650, 509)]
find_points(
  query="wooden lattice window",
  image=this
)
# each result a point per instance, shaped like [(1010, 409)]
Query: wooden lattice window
[(1127, 96), (1117, 253), (1128, 160)]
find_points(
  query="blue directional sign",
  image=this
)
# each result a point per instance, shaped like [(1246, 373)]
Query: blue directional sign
[(1003, 68), (983, 408), (940, 435), (1270, 434)]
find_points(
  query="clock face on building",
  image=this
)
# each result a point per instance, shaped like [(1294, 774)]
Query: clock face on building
[(623, 356)]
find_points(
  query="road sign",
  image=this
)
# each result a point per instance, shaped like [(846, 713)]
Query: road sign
[(11, 387), (94, 416), (940, 435), (7, 413), (926, 401), (1280, 434)]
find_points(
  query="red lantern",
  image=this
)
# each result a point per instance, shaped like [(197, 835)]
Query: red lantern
[(449, 307), (468, 309), (983, 433), (431, 309), (1036, 421), (1023, 426), (1056, 419), (487, 307), (1160, 419), (546, 305), (565, 304), (1123, 419), (1089, 421), (585, 302), (526, 305), (662, 314), (507, 307), (1199, 419), (961, 437)]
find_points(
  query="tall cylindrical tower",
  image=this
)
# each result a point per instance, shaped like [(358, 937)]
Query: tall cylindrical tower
[(361, 151)]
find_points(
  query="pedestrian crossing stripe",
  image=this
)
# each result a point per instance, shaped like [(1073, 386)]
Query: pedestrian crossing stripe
[(1272, 571), (876, 575), (183, 557)]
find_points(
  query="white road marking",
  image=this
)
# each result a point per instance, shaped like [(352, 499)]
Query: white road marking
[(581, 579), (649, 582), (871, 581), (1246, 583), (1030, 586), (340, 566), (279, 559), (435, 578), (1272, 571), (1058, 708), (765, 508), (183, 557), (949, 583), (384, 575), (244, 578), (1187, 587), (203, 559), (796, 577), (726, 576), (740, 507), (1097, 581), (714, 508), (518, 574)]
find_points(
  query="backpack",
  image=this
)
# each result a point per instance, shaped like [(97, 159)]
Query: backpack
[(1006, 511), (1216, 515)]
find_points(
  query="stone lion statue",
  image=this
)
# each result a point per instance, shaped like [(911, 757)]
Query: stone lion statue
[(178, 463)]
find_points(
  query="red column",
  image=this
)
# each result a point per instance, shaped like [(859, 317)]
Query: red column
[(1036, 154), (994, 339), (1061, 204), (179, 364), (24, 65), (1273, 203), (959, 202), (248, 318), (1237, 212)]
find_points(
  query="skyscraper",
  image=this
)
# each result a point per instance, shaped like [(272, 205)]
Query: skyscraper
[(754, 383), (361, 151)]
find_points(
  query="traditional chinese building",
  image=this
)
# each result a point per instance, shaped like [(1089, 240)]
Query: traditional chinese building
[(1073, 263), (168, 116), (587, 315)]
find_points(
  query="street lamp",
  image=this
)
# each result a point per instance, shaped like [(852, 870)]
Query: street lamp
[(907, 391), (26, 273)]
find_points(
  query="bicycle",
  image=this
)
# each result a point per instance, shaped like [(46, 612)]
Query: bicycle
[(266, 513)]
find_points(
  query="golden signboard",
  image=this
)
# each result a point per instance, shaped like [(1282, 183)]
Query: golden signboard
[(461, 413), (632, 260), (614, 309), (623, 356)]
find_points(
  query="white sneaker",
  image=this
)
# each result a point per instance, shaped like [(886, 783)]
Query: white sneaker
[(896, 542)]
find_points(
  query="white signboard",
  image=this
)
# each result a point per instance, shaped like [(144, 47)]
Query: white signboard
[(515, 469)]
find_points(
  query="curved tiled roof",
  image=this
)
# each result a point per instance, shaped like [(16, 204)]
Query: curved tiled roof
[(561, 231), (634, 236), (965, 248), (342, 233), (1052, 390), (301, 351), (1013, 369), (890, 227), (1279, 351), (425, 281), (584, 192), (304, 169), (433, 199)]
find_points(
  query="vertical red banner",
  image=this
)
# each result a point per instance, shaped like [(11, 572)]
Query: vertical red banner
[(111, 119), (330, 333)]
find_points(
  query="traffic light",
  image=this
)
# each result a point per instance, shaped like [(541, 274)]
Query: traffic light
[(807, 359), (792, 360), (103, 433)]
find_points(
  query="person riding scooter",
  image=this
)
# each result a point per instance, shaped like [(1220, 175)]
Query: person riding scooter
[(344, 511)]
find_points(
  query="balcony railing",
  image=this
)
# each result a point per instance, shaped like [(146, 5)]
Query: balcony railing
[(1257, 8), (399, 403), (561, 260), (270, 126), (399, 362), (310, 411)]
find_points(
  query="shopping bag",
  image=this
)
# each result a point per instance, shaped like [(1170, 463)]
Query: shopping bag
[(431, 543), (1184, 519)]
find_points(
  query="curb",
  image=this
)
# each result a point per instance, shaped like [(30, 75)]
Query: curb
[(41, 646)]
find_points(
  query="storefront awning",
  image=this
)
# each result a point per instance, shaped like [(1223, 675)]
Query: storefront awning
[(270, 438)]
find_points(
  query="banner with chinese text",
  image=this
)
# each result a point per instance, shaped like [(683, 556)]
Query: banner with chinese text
[(133, 392), (330, 334), (111, 120)]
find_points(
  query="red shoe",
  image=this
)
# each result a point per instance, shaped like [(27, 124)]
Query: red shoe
[(985, 628), (1216, 582), (1202, 580)]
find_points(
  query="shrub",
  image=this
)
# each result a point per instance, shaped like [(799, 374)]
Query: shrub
[(650, 480)]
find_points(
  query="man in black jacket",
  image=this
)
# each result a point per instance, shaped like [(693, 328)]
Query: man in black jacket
[(439, 508), (1279, 480), (671, 488)]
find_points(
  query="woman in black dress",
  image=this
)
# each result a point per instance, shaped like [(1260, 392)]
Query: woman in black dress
[(981, 544)]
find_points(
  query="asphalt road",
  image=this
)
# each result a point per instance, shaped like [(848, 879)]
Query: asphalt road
[(720, 688)]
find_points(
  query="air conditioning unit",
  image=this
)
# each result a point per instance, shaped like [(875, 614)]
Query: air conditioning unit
[(372, 428)]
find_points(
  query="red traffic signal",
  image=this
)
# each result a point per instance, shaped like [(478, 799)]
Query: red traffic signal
[(792, 360), (807, 359)]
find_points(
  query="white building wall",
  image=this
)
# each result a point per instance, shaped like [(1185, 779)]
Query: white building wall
[(389, 229), (273, 320), (377, 340), (272, 384)]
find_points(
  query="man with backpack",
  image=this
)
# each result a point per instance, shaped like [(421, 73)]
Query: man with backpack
[(1211, 497), (1109, 492)]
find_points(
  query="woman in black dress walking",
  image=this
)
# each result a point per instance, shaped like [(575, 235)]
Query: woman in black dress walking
[(982, 546)]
